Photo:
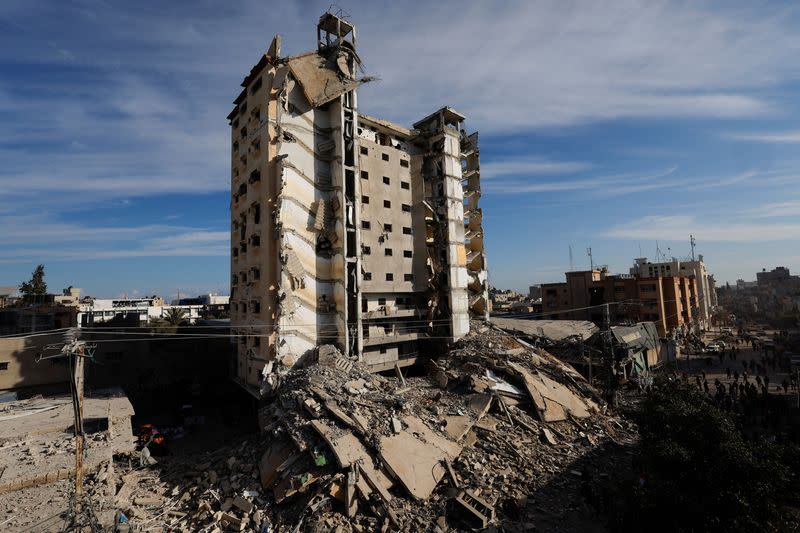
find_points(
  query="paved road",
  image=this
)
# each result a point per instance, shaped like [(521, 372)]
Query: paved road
[(694, 364)]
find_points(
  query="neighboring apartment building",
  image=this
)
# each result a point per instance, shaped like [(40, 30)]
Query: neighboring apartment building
[(346, 229), (706, 290), (666, 301)]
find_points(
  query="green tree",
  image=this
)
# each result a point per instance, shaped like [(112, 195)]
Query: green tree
[(169, 323), (701, 474), (175, 316), (35, 289)]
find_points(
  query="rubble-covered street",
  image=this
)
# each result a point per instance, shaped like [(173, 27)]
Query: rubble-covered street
[(494, 436)]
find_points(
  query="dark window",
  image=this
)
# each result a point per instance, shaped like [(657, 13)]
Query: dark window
[(387, 228), (256, 86), (386, 180), (408, 277), (385, 157), (406, 231), (257, 213), (404, 163), (256, 273), (387, 251), (387, 203), (405, 185), (366, 249), (365, 224), (256, 341), (364, 150), (364, 199), (389, 276), (406, 208), (407, 253), (256, 306), (4, 365), (381, 301), (364, 175), (367, 276)]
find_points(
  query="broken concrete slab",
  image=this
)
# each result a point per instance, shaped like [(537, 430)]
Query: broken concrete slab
[(348, 450), (416, 456), (480, 404), (457, 427), (552, 399)]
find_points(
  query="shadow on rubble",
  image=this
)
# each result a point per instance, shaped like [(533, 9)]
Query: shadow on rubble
[(582, 496)]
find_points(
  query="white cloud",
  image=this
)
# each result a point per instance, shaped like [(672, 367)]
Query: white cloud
[(775, 210), (609, 185), (787, 137), (38, 238), (515, 166), (678, 228)]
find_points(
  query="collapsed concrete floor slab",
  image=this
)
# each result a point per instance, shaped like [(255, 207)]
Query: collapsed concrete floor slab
[(36, 437)]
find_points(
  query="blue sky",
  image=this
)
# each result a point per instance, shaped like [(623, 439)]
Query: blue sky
[(615, 125)]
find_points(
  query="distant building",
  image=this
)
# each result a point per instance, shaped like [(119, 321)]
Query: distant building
[(139, 311), (742, 284), (8, 295), (706, 300), (69, 296), (778, 278), (667, 301), (535, 292)]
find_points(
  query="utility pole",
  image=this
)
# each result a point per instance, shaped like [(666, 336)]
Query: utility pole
[(608, 353), (76, 353), (591, 261), (76, 362), (691, 242)]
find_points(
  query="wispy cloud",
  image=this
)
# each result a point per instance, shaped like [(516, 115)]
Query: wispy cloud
[(605, 184), (787, 137), (526, 166), (36, 238), (678, 228), (776, 210)]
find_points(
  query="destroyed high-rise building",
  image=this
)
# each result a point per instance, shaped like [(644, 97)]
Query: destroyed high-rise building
[(346, 230)]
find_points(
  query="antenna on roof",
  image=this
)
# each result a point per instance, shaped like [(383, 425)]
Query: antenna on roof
[(591, 261), (691, 242), (571, 266)]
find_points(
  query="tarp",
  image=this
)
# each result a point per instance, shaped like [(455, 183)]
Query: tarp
[(642, 336)]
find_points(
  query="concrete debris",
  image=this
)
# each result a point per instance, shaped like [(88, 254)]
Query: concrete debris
[(343, 450)]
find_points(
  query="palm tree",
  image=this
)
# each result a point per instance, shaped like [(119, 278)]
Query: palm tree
[(169, 321), (174, 316)]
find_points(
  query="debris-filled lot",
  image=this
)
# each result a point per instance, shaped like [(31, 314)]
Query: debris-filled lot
[(494, 435)]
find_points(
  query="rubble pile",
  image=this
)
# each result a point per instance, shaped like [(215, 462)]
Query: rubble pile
[(464, 447)]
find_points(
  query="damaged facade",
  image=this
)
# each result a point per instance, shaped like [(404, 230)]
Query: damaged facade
[(345, 229)]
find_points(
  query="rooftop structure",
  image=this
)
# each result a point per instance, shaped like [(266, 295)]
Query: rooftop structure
[(346, 229)]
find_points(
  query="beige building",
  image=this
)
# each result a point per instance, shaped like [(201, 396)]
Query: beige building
[(346, 229), (667, 301), (705, 303)]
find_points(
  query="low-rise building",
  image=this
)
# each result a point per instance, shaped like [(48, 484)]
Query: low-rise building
[(138, 310)]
